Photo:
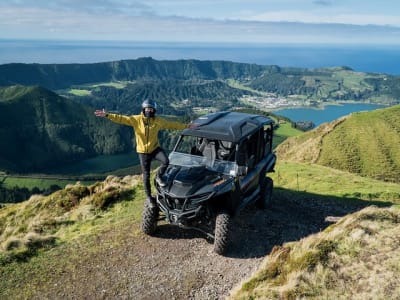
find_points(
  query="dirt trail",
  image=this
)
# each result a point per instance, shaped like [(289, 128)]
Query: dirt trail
[(180, 264)]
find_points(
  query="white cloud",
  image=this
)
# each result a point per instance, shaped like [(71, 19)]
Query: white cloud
[(305, 17), (142, 23)]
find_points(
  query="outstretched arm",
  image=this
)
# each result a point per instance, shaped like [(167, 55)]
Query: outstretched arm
[(116, 118)]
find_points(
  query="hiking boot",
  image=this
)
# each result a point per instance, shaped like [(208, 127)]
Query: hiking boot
[(160, 181)]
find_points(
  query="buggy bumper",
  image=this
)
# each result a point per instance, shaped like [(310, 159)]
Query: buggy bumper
[(181, 211)]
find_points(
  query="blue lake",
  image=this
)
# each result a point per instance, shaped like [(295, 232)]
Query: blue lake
[(329, 113), (99, 164)]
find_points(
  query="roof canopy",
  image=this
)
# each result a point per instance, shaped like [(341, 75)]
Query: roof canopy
[(227, 126)]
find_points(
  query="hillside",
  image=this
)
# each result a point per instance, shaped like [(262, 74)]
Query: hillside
[(366, 143), (40, 130), (85, 242)]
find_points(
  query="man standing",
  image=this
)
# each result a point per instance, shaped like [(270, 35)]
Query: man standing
[(146, 126)]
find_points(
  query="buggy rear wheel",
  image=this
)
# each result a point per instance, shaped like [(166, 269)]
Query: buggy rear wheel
[(149, 219), (265, 198), (222, 232)]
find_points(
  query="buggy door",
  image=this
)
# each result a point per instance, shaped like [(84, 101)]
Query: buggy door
[(251, 153)]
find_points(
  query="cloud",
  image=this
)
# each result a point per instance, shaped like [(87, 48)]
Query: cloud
[(135, 21), (92, 7), (325, 18)]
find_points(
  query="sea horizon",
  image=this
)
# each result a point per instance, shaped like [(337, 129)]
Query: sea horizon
[(361, 58)]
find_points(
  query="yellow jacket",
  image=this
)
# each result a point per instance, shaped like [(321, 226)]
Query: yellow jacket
[(146, 129)]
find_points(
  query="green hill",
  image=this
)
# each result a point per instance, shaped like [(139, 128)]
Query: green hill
[(39, 130), (366, 143)]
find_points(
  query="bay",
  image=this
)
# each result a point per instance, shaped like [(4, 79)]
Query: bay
[(326, 114)]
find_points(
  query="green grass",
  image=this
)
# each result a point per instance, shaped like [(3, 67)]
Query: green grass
[(284, 131), (316, 179), (79, 92), (85, 89), (237, 85), (115, 84)]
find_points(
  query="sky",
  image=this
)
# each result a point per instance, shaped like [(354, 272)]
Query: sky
[(244, 21)]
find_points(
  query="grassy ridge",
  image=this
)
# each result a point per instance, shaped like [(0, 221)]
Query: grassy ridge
[(44, 221), (357, 258), (366, 143)]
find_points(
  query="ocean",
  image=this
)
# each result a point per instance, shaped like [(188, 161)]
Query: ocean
[(363, 58)]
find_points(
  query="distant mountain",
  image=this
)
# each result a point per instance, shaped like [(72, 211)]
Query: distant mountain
[(39, 130), (60, 76), (366, 143), (181, 79)]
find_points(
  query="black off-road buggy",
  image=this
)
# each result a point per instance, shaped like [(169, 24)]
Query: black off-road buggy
[(216, 169)]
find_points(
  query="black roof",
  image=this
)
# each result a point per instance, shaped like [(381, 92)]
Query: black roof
[(227, 126)]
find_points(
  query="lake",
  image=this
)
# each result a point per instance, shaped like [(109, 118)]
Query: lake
[(327, 114), (98, 164)]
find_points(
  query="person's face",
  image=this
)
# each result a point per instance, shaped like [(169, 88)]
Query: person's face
[(149, 110)]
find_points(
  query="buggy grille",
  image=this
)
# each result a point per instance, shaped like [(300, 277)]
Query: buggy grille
[(185, 203)]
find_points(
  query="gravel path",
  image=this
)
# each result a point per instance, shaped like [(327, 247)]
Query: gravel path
[(180, 264)]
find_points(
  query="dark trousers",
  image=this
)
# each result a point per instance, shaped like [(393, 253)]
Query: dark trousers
[(145, 164)]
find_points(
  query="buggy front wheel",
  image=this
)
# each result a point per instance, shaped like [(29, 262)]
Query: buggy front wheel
[(222, 231), (149, 219)]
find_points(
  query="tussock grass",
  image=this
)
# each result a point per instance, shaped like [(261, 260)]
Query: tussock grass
[(357, 258), (44, 221)]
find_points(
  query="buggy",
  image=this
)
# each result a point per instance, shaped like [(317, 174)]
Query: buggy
[(216, 169)]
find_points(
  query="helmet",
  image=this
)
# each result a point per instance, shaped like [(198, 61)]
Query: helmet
[(149, 104)]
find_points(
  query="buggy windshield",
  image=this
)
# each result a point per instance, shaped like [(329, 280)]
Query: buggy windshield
[(189, 160)]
